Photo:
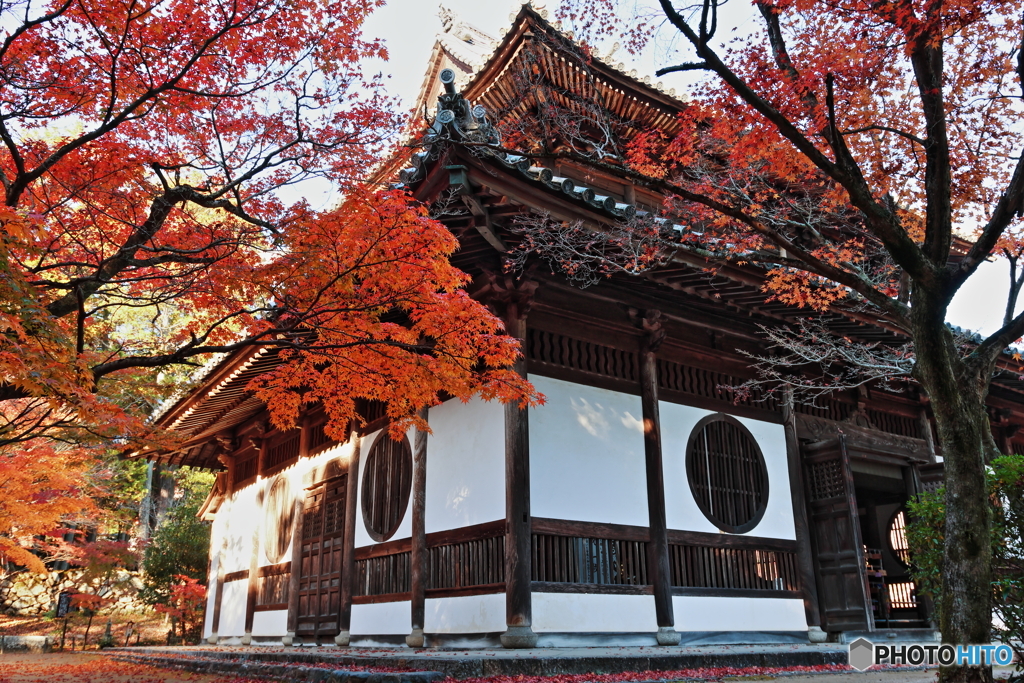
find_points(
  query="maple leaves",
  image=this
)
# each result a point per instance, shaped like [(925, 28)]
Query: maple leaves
[(153, 165)]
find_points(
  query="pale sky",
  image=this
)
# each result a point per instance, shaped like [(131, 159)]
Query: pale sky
[(409, 28)]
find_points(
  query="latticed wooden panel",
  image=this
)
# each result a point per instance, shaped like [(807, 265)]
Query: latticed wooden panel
[(694, 566), (576, 354), (470, 563), (284, 451), (568, 559), (246, 469), (825, 480), (273, 590), (318, 439), (383, 575), (707, 383), (387, 482), (727, 473)]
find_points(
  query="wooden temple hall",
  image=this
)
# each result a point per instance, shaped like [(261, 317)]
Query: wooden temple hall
[(730, 521)]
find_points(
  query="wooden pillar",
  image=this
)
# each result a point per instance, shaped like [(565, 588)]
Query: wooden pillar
[(657, 546), (418, 579), (260, 444), (805, 556), (218, 592), (518, 597), (516, 296), (348, 561), (925, 425), (293, 578)]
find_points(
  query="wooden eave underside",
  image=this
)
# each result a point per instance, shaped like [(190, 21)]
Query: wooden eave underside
[(726, 300)]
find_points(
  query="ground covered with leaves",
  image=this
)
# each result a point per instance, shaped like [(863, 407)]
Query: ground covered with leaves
[(146, 629), (89, 668)]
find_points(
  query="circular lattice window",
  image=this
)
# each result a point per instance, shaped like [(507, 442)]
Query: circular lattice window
[(387, 482), (280, 516), (727, 473), (898, 537)]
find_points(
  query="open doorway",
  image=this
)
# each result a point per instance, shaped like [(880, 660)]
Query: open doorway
[(881, 495)]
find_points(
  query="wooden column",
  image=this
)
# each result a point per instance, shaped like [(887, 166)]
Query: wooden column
[(925, 425), (293, 578), (516, 296), (657, 546), (418, 578), (259, 443), (805, 556), (518, 597), (348, 560)]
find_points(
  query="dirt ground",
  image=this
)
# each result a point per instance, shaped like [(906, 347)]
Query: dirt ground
[(90, 668), (146, 629)]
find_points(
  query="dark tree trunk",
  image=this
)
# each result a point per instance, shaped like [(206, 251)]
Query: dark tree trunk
[(957, 389)]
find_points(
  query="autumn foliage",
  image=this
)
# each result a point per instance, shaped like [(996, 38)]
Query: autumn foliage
[(166, 171)]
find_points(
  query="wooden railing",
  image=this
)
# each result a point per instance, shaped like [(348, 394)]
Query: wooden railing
[(611, 558)]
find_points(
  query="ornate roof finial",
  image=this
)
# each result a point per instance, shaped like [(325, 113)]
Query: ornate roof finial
[(447, 17)]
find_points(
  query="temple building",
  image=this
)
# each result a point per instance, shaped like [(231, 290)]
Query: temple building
[(645, 502)]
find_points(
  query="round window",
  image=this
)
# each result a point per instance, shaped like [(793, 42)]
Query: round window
[(898, 537), (727, 473), (280, 516), (387, 482)]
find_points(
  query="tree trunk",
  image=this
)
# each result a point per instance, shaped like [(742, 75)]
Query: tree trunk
[(957, 392)]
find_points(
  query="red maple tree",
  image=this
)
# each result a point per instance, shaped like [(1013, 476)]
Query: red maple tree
[(153, 162)]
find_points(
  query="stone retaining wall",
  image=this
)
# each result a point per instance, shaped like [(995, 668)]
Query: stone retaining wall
[(27, 594)]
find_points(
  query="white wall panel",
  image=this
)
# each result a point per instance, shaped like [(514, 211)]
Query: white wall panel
[(677, 422), (232, 608), (575, 612), (273, 623), (587, 455), (465, 464), (466, 614), (382, 618), (738, 614)]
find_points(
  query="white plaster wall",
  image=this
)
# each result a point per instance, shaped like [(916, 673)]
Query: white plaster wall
[(382, 618), (405, 527), (465, 465), (232, 608), (736, 614), (677, 421), (211, 579), (273, 623), (573, 612), (587, 455), (466, 614)]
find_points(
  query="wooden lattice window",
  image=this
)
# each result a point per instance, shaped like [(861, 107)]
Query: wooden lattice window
[(898, 537), (727, 473), (387, 482), (282, 452)]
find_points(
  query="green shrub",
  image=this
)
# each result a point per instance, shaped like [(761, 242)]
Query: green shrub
[(925, 534)]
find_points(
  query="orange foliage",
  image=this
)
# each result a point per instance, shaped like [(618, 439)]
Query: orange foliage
[(39, 486), (152, 219)]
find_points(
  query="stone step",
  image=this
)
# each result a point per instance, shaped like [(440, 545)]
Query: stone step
[(268, 662), (271, 670)]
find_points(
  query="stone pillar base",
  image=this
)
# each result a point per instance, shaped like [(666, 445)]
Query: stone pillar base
[(247, 638), (289, 639), (342, 639), (212, 639), (816, 635), (518, 638), (667, 635), (416, 638)]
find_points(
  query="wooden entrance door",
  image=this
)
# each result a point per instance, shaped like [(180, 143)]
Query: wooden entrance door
[(836, 538), (323, 533)]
